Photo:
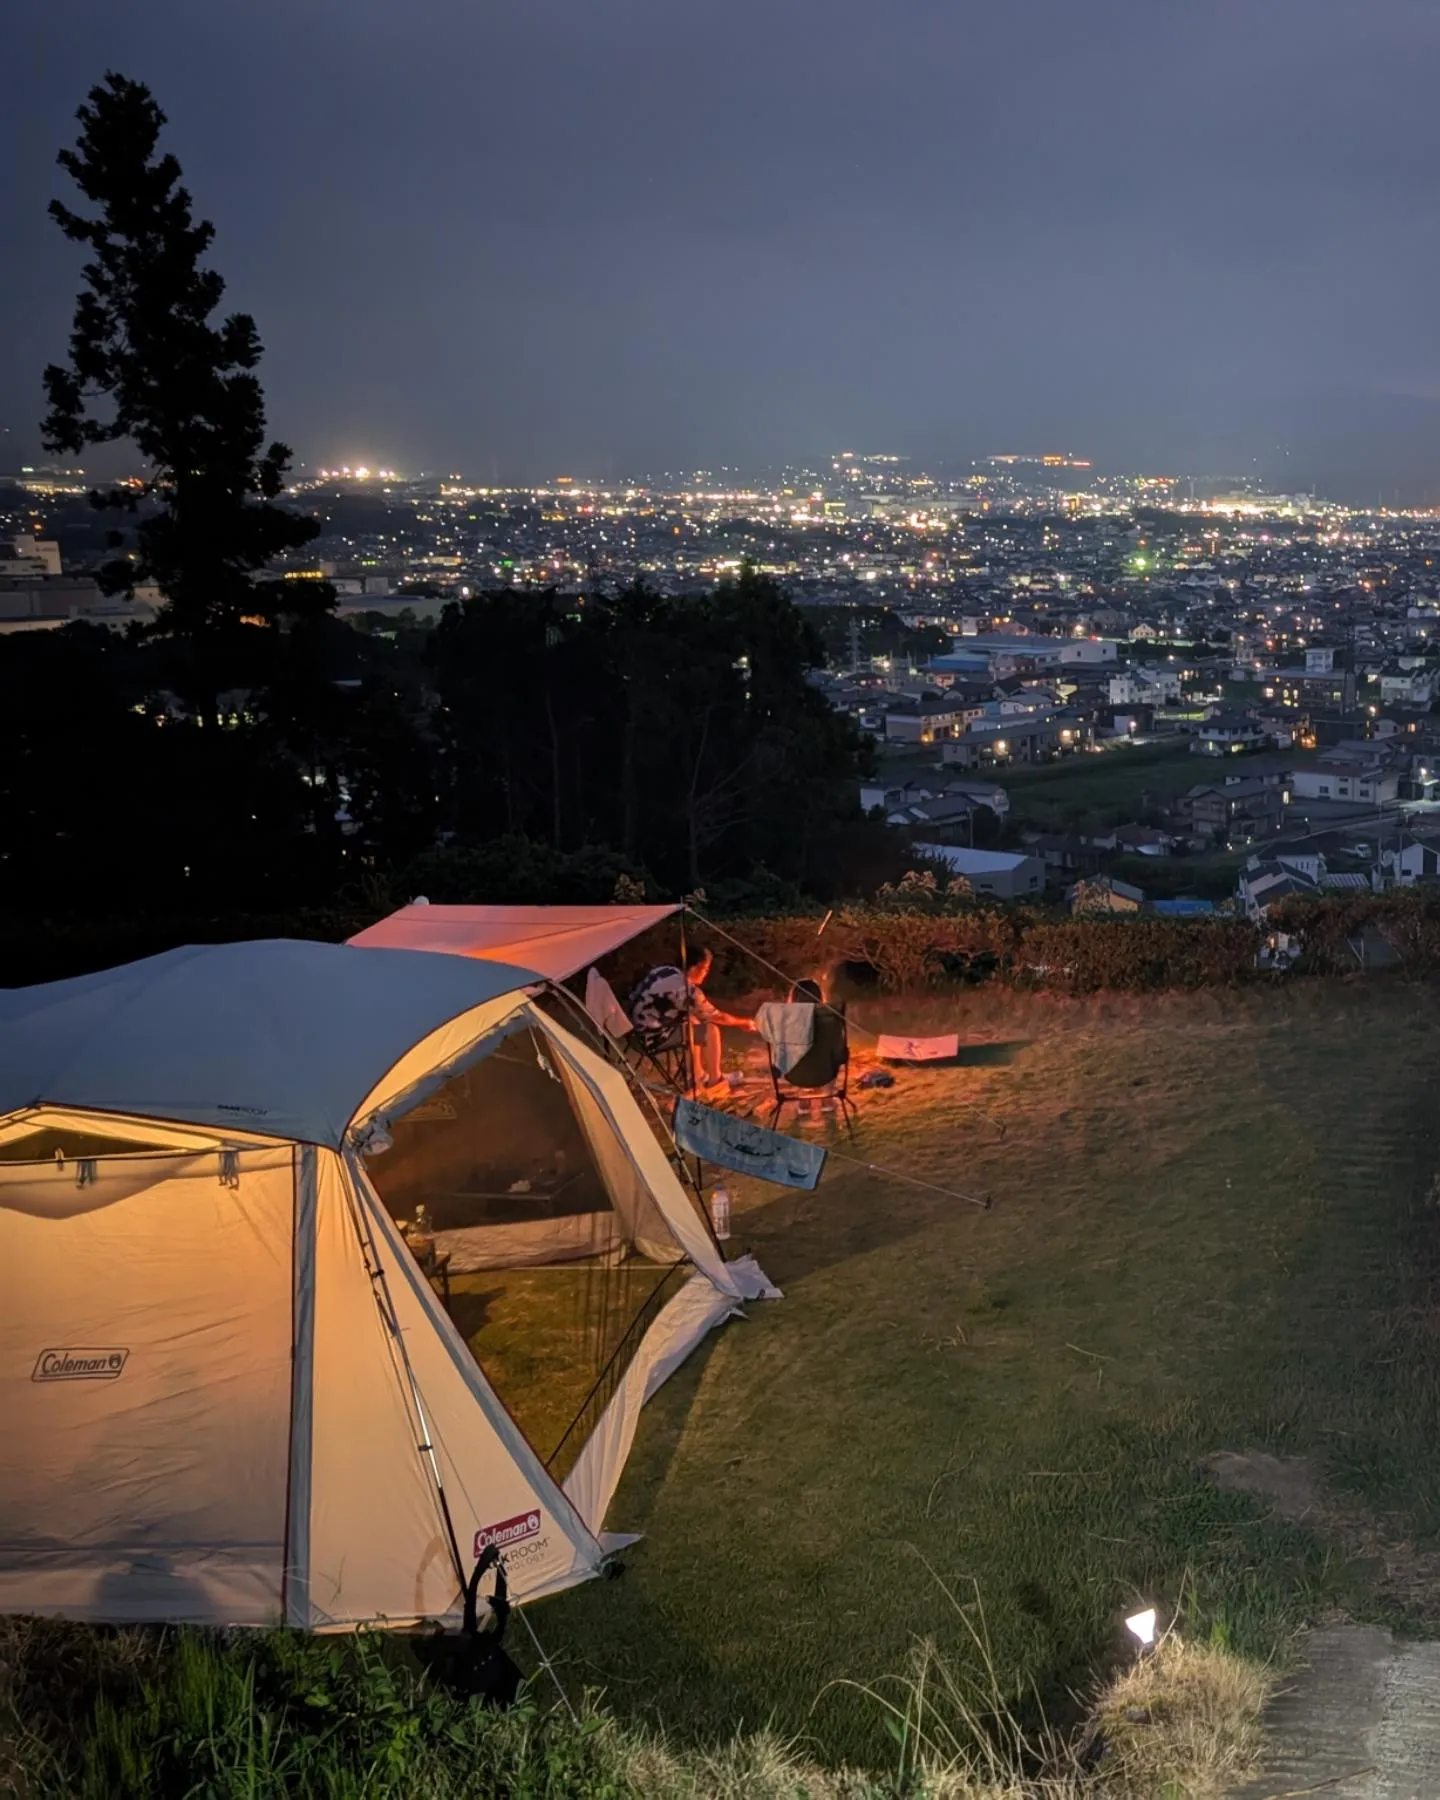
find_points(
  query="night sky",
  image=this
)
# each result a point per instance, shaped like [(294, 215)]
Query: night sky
[(527, 237)]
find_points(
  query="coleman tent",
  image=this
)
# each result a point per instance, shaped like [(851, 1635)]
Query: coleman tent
[(230, 1391), (556, 940)]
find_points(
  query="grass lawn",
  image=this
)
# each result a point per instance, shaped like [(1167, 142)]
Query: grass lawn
[(1103, 788), (1211, 1232), (1111, 786)]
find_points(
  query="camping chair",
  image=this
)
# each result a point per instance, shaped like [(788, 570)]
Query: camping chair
[(668, 1052), (823, 1072), (661, 1037)]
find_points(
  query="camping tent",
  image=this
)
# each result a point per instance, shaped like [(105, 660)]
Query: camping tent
[(230, 1392), (556, 940)]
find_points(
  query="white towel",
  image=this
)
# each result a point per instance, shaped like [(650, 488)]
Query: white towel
[(788, 1027), (903, 1049), (603, 1007)]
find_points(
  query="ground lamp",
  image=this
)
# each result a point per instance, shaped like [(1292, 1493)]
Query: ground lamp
[(1141, 1626)]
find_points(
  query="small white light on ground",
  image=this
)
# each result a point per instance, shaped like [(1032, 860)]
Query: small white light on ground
[(1142, 1625)]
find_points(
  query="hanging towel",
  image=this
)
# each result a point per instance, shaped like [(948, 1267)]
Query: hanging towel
[(903, 1049), (789, 1029), (603, 1007), (746, 1147)]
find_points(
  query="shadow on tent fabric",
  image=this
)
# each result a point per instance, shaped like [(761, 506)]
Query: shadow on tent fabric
[(170, 1598)]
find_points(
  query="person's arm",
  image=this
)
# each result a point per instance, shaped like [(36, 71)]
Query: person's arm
[(708, 1013)]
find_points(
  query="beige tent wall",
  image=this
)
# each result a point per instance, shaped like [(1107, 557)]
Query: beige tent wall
[(377, 1548), (158, 1493)]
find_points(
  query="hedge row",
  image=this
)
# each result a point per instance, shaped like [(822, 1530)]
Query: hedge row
[(1366, 930), (1025, 948), (898, 950), (904, 952)]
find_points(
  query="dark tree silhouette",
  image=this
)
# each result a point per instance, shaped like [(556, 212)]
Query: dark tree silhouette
[(176, 384)]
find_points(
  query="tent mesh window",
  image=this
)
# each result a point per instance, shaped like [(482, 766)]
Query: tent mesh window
[(557, 1260), (61, 1143)]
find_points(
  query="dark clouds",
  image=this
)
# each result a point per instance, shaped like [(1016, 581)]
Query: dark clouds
[(602, 234)]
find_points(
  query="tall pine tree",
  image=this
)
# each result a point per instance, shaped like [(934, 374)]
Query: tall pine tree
[(174, 382)]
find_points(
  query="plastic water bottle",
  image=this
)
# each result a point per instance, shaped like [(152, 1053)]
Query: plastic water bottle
[(720, 1212)]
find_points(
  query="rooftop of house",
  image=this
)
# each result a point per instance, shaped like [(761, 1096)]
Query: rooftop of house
[(1247, 788), (1123, 890), (935, 812), (965, 861)]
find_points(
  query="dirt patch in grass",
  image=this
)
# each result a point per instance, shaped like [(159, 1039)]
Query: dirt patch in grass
[(1405, 1576)]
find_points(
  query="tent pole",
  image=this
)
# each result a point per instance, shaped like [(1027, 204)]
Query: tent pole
[(380, 1287)]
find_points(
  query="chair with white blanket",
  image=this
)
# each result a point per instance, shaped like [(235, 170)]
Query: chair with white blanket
[(821, 1070)]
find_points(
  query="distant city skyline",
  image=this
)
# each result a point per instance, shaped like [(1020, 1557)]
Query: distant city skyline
[(621, 236)]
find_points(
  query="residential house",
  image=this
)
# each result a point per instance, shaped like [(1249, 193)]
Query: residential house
[(1143, 840), (1064, 851), (1143, 686), (1002, 873), (1264, 880), (1104, 894), (946, 812), (877, 796), (1234, 811), (1370, 782), (1021, 740), (924, 721), (1229, 734), (1412, 859), (1408, 687)]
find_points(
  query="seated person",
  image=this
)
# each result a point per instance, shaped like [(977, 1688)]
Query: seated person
[(829, 1050), (669, 995)]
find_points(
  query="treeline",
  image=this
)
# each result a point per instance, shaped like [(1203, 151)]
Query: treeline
[(529, 747)]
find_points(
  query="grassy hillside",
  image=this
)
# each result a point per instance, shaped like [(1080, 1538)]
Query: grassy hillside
[(1210, 1233)]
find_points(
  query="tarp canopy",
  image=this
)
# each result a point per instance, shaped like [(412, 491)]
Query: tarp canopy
[(278, 1037), (556, 940)]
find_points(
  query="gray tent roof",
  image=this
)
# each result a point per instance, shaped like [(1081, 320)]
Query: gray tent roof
[(279, 1036)]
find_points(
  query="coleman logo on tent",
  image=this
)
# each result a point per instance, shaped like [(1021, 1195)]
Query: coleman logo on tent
[(508, 1532), (79, 1365)]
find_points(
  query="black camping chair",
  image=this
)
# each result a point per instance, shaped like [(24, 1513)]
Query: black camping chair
[(666, 1052), (470, 1663), (665, 1047), (823, 1072)]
